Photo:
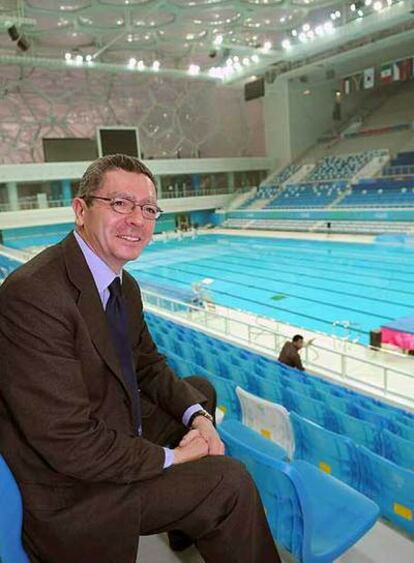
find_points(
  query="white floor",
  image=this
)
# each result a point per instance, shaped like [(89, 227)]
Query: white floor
[(381, 545)]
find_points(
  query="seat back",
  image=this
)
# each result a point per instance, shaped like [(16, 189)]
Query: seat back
[(11, 517), (227, 400), (268, 419), (390, 486), (282, 504), (311, 409), (332, 453), (360, 431), (398, 449)]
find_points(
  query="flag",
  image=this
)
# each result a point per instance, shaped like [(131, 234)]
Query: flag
[(386, 74), (369, 78), (402, 70), (356, 82), (346, 86)]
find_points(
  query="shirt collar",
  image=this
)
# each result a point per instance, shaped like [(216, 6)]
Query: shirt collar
[(101, 272)]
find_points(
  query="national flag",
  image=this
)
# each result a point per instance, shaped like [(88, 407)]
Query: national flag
[(346, 85), (402, 70), (386, 73), (369, 78), (356, 82)]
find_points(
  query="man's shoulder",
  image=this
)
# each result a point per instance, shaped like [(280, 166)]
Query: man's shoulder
[(40, 273)]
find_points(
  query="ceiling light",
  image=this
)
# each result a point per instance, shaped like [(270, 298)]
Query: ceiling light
[(360, 13), (267, 46), (255, 58), (246, 61), (378, 6), (193, 70), (306, 27), (68, 56), (156, 66), (218, 40), (132, 62), (140, 65), (79, 59), (368, 2), (294, 33), (88, 58), (353, 8), (328, 27), (319, 30), (286, 44), (338, 14)]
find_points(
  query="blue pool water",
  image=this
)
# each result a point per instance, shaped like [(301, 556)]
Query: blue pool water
[(310, 284)]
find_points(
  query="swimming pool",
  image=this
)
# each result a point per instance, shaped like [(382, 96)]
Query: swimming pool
[(311, 284), (308, 283)]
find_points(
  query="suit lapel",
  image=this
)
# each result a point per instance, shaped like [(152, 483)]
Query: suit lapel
[(90, 307)]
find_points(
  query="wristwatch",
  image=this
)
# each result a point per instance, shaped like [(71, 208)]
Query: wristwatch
[(201, 412)]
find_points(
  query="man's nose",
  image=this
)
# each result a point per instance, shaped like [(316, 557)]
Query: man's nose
[(136, 216)]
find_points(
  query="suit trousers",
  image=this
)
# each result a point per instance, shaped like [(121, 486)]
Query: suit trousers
[(212, 500)]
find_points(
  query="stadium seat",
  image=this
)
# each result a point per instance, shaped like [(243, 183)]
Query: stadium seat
[(390, 486), (398, 449), (311, 514), (360, 431), (268, 419), (307, 407), (331, 452), (11, 517), (227, 400)]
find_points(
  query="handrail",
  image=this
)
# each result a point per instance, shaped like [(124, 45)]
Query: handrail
[(270, 340)]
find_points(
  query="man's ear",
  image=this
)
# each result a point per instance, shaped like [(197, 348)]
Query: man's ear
[(79, 208)]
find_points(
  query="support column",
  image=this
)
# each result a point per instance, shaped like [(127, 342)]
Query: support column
[(67, 192), (13, 196)]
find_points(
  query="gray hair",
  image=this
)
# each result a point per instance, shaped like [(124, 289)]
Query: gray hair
[(93, 177)]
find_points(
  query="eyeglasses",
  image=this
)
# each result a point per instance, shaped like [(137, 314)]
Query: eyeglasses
[(127, 206)]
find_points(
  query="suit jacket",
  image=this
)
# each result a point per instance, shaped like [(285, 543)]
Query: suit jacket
[(66, 422), (289, 356)]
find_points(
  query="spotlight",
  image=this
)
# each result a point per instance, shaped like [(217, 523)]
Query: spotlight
[(23, 43), (13, 33)]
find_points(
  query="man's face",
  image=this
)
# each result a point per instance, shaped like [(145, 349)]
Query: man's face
[(298, 344), (114, 237)]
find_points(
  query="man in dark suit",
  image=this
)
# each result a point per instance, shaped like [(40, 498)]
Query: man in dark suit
[(89, 449), (289, 355)]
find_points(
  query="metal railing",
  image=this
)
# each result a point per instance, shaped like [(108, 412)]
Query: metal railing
[(335, 360)]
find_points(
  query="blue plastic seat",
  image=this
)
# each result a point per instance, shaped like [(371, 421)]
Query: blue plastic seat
[(360, 431), (403, 430), (331, 452), (307, 407), (398, 449), (379, 420), (390, 486), (252, 439), (268, 390), (11, 517), (311, 514), (227, 400)]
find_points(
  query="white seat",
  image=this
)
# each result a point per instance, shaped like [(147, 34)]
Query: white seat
[(271, 420)]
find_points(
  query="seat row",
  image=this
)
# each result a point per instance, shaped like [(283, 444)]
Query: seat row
[(340, 456)]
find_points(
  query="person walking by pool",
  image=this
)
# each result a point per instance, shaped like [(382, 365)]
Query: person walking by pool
[(289, 355)]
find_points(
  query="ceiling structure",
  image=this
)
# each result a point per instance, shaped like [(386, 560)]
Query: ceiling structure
[(227, 41)]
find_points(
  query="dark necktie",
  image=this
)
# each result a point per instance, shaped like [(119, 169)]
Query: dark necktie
[(118, 323)]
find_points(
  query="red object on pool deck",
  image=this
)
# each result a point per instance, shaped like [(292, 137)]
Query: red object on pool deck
[(399, 332)]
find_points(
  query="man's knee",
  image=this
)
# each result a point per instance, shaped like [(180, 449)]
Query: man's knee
[(206, 388)]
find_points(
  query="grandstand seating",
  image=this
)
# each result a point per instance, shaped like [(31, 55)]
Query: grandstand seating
[(314, 194), (11, 517), (381, 192), (339, 167), (312, 515), (366, 421), (282, 176), (402, 164)]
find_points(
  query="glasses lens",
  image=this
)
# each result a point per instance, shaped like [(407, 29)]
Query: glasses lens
[(123, 206), (150, 212)]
